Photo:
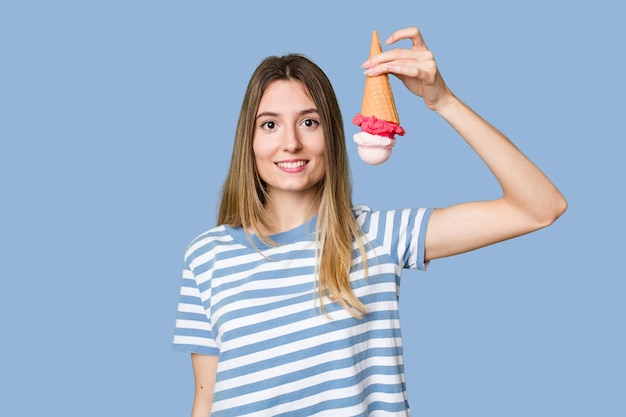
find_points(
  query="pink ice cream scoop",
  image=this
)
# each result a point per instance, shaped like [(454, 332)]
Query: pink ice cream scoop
[(376, 138)]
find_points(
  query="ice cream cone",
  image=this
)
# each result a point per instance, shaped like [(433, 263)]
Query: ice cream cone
[(377, 98)]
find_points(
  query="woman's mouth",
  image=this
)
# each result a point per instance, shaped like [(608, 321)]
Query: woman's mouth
[(291, 164)]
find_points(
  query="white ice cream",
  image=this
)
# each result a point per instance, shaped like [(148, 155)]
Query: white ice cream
[(374, 149)]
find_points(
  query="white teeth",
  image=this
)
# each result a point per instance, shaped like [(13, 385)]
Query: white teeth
[(291, 165)]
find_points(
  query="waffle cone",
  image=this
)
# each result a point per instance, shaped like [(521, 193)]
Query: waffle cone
[(377, 97)]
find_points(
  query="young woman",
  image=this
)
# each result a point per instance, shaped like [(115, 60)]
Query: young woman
[(290, 305)]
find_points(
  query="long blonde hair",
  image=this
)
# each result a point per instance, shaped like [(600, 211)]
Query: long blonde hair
[(243, 193)]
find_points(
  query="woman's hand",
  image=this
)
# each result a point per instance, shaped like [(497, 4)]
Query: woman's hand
[(415, 67)]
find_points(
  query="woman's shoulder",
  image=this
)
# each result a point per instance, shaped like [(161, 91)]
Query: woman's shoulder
[(365, 215), (208, 238), (361, 209)]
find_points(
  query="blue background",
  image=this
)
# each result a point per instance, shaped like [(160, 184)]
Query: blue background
[(116, 123)]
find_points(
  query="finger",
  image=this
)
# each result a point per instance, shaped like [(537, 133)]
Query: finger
[(399, 54), (423, 71), (426, 72), (413, 34)]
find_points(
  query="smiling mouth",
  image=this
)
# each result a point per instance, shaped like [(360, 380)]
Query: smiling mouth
[(291, 165)]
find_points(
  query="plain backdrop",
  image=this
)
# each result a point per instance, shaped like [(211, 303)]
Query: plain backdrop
[(116, 125)]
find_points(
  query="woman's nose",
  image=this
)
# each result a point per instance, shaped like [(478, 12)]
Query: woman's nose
[(291, 141)]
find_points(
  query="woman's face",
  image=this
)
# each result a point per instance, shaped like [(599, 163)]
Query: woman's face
[(288, 141)]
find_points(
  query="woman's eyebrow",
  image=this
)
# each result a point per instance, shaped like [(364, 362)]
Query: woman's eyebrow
[(308, 111), (266, 113), (274, 114)]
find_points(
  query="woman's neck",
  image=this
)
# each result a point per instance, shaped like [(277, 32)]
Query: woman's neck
[(288, 213)]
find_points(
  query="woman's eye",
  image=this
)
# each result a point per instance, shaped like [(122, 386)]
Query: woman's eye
[(310, 123), (268, 125)]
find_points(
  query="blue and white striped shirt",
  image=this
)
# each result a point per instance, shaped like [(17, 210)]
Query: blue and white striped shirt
[(256, 307)]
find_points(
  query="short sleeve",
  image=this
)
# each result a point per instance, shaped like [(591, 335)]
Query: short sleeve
[(193, 332), (401, 233)]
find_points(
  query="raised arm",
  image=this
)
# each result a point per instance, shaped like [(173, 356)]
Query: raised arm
[(529, 201)]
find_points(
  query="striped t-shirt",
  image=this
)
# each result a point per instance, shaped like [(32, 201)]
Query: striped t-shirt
[(256, 307)]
